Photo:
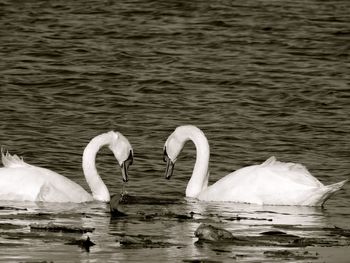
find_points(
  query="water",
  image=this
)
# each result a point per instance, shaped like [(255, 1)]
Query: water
[(260, 78)]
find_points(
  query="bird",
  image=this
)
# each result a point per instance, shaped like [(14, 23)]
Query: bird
[(20, 181), (269, 183)]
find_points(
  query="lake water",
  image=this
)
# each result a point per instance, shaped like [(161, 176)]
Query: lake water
[(260, 78)]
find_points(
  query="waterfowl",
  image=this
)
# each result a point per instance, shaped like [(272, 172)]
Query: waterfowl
[(20, 181), (270, 183)]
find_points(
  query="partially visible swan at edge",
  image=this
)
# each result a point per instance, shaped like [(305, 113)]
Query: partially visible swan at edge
[(20, 181), (270, 183)]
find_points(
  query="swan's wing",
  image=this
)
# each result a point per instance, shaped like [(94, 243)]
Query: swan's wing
[(33, 183), (294, 171), (11, 161), (49, 192), (272, 161), (260, 185), (20, 183)]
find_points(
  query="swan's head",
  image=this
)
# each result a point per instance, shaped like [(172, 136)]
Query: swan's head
[(122, 150), (172, 148)]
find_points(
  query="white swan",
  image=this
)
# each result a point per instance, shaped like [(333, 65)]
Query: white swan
[(20, 181), (270, 183)]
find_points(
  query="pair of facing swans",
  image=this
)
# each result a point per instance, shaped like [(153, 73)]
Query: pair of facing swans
[(270, 183)]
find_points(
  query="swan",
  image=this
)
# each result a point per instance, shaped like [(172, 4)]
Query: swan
[(20, 181), (270, 183)]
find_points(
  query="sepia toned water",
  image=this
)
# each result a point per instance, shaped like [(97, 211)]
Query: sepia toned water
[(260, 78)]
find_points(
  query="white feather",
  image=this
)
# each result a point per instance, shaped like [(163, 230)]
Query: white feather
[(20, 181), (271, 183)]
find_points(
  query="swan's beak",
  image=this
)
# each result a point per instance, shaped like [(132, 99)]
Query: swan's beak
[(125, 166), (169, 165)]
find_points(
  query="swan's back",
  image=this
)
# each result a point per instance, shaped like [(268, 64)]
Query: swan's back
[(20, 181), (271, 182), (39, 184), (294, 171)]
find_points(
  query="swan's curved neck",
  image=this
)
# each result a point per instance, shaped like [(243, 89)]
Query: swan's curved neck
[(200, 175), (98, 188)]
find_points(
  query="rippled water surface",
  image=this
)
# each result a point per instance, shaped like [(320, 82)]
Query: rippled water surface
[(260, 78)]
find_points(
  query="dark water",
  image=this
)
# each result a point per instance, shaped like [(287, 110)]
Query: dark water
[(260, 78)]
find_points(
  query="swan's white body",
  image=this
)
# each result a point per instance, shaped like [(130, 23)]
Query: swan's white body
[(270, 183), (20, 181)]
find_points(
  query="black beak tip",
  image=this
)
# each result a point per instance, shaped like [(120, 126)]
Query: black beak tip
[(131, 157)]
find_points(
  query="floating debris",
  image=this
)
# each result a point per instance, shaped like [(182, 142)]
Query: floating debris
[(220, 236), (210, 233), (278, 233), (167, 215), (60, 228), (83, 243), (125, 198), (290, 254), (135, 242), (12, 208), (200, 261), (184, 217), (239, 218)]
